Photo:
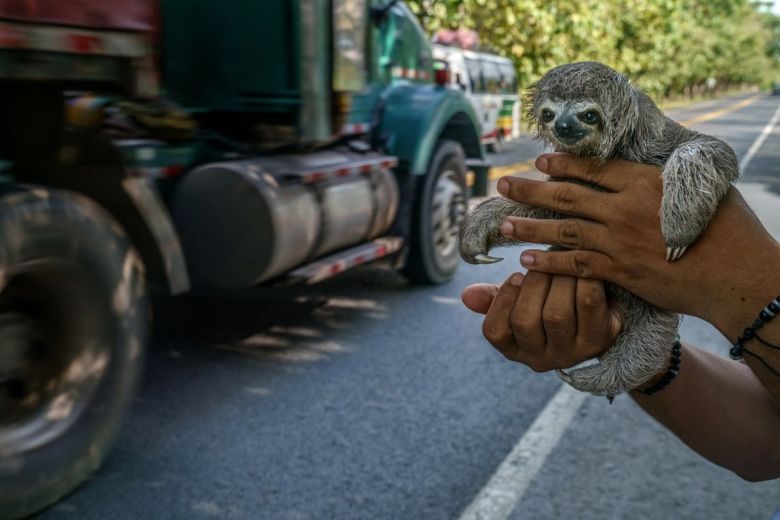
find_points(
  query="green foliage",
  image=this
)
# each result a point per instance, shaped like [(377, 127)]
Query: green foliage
[(668, 47)]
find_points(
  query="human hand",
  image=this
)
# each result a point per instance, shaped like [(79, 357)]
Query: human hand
[(546, 322), (725, 277)]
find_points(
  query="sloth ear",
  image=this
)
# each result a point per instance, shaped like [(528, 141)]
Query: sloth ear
[(628, 126), (528, 102), (647, 121), (624, 124)]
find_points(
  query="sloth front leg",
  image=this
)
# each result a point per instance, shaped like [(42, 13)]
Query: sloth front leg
[(480, 229), (696, 177)]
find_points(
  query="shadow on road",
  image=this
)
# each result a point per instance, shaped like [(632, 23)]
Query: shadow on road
[(288, 323)]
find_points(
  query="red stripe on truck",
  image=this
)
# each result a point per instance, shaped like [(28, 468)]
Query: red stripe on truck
[(11, 36), (83, 43)]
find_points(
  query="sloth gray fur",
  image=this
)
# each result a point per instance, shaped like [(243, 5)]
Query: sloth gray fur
[(697, 172)]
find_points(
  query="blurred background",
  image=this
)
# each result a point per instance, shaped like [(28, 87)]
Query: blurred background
[(669, 48)]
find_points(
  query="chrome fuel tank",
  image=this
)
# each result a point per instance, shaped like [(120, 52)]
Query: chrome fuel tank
[(245, 222)]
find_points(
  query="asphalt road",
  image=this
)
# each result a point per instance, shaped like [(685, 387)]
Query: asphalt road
[(364, 398)]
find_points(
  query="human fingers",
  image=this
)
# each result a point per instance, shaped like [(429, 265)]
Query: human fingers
[(582, 264), (564, 197), (559, 317), (598, 322), (613, 175), (478, 297), (526, 320), (495, 326), (571, 233)]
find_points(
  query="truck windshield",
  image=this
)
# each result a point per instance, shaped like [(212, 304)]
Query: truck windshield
[(349, 45)]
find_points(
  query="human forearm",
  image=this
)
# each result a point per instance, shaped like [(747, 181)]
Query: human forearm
[(733, 302), (722, 411)]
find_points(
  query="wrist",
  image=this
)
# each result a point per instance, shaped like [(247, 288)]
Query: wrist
[(656, 378), (740, 301), (665, 376), (770, 331), (765, 319)]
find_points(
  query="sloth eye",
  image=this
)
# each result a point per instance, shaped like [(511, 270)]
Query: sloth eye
[(590, 117), (547, 115)]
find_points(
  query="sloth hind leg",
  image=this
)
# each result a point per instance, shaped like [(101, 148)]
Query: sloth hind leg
[(641, 351)]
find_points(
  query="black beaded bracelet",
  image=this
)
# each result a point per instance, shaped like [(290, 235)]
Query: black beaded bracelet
[(765, 316), (674, 369)]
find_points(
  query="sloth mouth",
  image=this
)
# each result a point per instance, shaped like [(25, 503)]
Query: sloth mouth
[(570, 139), (571, 144)]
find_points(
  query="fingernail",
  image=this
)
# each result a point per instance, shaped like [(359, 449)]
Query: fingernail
[(503, 186), (507, 228), (516, 280), (542, 164), (527, 259)]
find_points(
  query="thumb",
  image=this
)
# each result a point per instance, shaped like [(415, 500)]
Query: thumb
[(617, 319), (479, 297)]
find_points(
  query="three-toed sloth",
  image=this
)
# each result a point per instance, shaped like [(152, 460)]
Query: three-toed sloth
[(588, 109)]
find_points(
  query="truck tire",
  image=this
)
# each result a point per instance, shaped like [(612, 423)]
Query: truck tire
[(73, 320), (439, 207)]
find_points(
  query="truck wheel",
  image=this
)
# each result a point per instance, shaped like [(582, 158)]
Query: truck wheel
[(439, 207), (72, 330)]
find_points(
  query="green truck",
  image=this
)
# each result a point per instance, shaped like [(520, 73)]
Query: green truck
[(162, 147)]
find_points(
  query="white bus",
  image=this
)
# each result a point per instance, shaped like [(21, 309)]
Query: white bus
[(490, 83)]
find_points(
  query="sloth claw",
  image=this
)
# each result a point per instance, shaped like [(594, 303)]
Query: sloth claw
[(566, 378), (674, 253), (485, 259)]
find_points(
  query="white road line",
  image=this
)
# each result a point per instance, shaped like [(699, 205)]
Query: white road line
[(506, 487), (743, 164)]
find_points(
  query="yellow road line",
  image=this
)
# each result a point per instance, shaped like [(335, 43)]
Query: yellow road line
[(528, 166), (722, 112), (511, 169)]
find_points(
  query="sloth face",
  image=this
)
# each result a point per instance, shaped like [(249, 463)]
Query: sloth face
[(584, 108), (571, 126)]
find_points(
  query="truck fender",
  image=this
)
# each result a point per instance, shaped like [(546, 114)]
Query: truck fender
[(91, 165), (415, 118), (160, 227)]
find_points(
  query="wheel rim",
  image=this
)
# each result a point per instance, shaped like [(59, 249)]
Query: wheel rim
[(448, 209), (53, 352)]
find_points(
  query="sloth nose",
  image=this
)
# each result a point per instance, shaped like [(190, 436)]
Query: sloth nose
[(566, 129), (563, 128)]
